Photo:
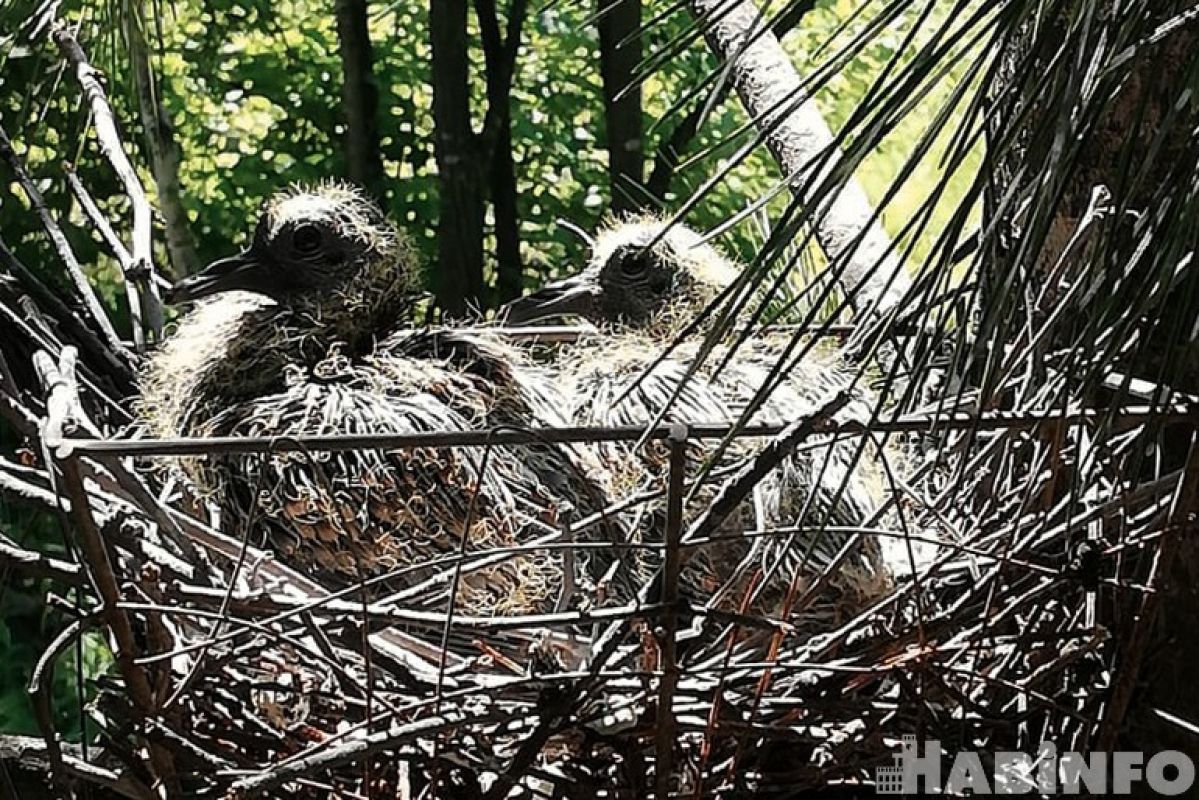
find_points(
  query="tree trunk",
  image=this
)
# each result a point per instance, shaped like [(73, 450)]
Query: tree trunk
[(499, 53), (509, 280), (458, 281), (620, 53), (360, 96), (670, 153), (674, 147), (165, 157), (766, 81)]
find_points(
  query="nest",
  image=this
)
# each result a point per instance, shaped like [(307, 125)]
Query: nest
[(1022, 616), (237, 677)]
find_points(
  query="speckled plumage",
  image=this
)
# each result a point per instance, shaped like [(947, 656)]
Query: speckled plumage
[(617, 377), (328, 355)]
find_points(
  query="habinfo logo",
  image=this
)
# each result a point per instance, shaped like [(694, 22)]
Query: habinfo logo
[(1045, 772)]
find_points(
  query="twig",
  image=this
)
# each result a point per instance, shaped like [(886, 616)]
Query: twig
[(737, 488), (31, 754), (98, 220), (64, 413), (61, 246), (115, 619), (109, 140), (38, 565), (1182, 510), (118, 249), (134, 486), (34, 330), (19, 481), (283, 607), (115, 360), (39, 691), (567, 334), (20, 417), (348, 752)]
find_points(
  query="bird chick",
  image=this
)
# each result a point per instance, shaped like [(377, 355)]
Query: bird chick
[(324, 267), (642, 276), (643, 285), (301, 334)]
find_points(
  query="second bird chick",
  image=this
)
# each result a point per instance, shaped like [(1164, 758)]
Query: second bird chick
[(644, 284)]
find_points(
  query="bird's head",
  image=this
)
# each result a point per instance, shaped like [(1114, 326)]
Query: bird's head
[(311, 247), (642, 274)]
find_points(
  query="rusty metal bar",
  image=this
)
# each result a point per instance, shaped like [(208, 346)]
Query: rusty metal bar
[(565, 334), (986, 421), (672, 563)]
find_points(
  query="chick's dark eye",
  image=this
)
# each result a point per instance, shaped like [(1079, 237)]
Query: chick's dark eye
[(306, 239), (634, 263)]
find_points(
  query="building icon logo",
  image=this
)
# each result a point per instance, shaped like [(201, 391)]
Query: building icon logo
[(894, 779), (889, 780)]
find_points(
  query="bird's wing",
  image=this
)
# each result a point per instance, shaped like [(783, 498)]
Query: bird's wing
[(402, 512), (511, 391), (826, 482), (624, 383)]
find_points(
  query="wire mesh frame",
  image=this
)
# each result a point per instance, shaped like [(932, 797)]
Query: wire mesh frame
[(985, 421), (114, 612)]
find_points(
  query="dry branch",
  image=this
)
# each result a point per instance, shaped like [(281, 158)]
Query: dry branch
[(25, 753), (37, 565), (63, 414), (61, 246), (144, 298), (1180, 523)]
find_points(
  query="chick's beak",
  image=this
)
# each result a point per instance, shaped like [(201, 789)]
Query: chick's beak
[(242, 271), (574, 296)]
